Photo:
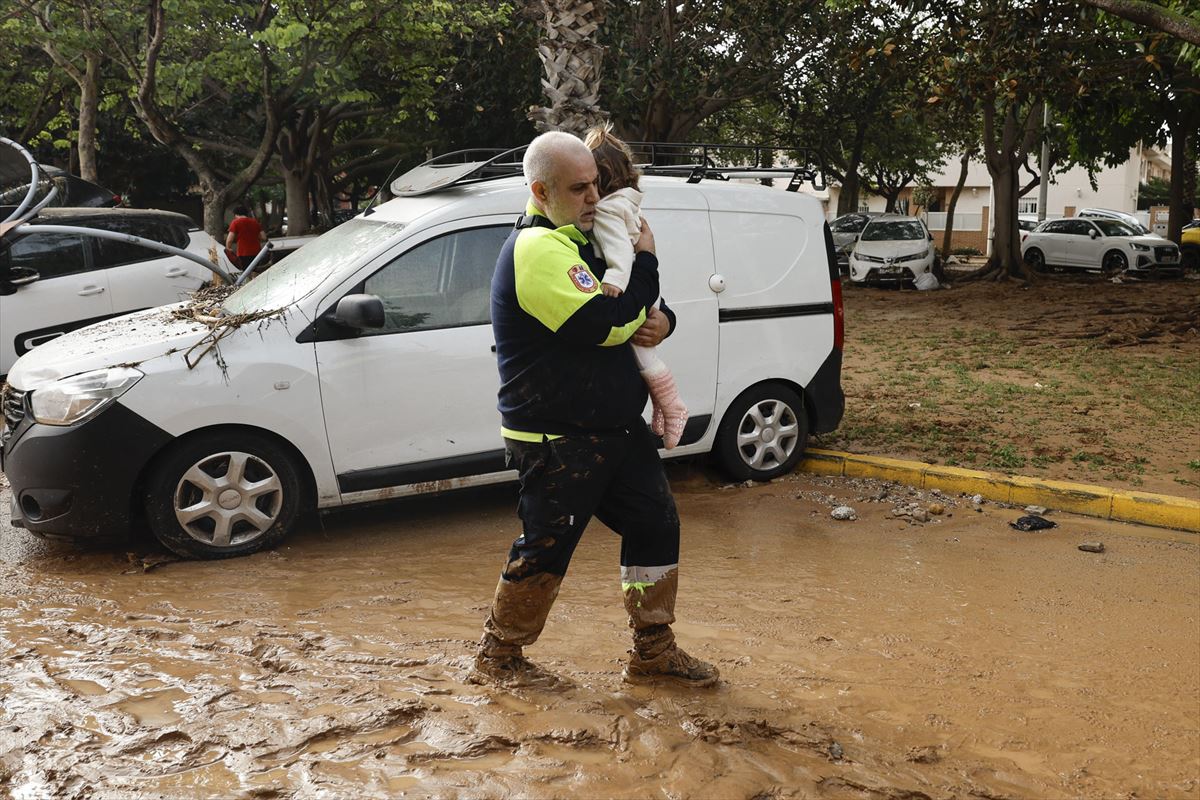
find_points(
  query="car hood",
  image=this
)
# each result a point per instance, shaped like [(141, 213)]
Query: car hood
[(1149, 239), (127, 340), (906, 247)]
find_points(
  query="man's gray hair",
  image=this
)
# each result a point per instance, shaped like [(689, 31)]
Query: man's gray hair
[(543, 151)]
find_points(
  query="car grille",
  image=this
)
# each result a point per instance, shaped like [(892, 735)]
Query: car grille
[(13, 404), (1166, 252)]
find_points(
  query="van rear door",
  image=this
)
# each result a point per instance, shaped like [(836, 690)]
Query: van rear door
[(777, 312)]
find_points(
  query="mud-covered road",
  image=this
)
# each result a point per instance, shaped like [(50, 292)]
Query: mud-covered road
[(876, 658)]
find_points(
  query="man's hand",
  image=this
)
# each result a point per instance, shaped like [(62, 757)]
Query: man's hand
[(653, 330), (645, 242)]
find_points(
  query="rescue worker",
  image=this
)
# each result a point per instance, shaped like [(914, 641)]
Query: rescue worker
[(570, 402)]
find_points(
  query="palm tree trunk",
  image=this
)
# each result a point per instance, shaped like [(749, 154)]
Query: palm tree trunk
[(571, 60)]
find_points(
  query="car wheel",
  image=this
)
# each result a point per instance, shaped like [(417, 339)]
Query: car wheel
[(223, 495), (763, 433), (1035, 260), (1114, 263)]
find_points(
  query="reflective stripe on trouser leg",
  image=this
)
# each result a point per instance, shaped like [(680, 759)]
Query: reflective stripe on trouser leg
[(649, 594), (519, 610)]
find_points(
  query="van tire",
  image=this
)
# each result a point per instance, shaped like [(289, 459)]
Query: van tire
[(766, 407), (195, 474)]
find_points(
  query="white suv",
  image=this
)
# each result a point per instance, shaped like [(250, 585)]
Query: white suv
[(1106, 245), (362, 367), (52, 283)]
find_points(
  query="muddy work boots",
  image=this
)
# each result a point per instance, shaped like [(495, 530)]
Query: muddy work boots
[(649, 594), (518, 614)]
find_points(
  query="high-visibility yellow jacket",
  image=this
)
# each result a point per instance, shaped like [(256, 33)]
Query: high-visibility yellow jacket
[(562, 346)]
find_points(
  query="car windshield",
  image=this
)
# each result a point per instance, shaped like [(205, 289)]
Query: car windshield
[(848, 225), (1114, 227), (302, 272), (893, 230)]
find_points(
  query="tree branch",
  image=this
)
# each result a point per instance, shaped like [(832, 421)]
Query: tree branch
[(1151, 15)]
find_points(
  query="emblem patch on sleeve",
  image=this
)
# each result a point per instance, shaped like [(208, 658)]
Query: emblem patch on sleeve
[(582, 279)]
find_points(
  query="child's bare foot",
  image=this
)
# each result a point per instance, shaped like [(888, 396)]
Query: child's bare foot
[(610, 290)]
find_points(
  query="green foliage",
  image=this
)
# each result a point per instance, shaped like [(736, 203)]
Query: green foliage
[(1154, 192)]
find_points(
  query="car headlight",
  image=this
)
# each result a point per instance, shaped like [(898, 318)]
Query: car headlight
[(74, 399), (915, 256), (1145, 248)]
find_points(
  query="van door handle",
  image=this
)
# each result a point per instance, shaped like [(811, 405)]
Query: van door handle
[(90, 290), (176, 272)]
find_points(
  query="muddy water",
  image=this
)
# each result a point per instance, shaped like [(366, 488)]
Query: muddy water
[(877, 659)]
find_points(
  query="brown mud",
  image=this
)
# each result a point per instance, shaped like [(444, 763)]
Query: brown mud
[(879, 658)]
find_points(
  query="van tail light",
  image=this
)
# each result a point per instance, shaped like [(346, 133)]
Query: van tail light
[(839, 316)]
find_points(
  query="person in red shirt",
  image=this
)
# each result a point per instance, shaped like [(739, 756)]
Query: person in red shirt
[(245, 237)]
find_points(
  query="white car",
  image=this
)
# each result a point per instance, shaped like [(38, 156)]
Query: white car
[(1099, 244), (892, 248), (54, 283), (362, 367)]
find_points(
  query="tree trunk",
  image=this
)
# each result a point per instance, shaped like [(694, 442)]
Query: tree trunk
[(89, 105), (1179, 212), (215, 194), (948, 234), (1006, 142), (1006, 238), (572, 62), (295, 187), (848, 197)]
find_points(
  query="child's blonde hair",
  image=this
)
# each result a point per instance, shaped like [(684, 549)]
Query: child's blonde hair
[(613, 160)]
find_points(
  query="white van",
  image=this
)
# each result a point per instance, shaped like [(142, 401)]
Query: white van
[(220, 433)]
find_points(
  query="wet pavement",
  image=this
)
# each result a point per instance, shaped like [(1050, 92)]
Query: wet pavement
[(876, 658)]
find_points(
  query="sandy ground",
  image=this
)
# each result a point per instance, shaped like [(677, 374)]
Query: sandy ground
[(876, 658), (1073, 378)]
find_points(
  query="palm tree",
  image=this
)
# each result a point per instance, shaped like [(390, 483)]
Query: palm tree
[(571, 60)]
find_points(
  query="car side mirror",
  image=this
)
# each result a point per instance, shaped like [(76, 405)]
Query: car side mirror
[(1095, 234), (931, 237), (359, 311)]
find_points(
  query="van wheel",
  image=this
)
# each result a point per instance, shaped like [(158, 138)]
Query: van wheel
[(763, 433), (223, 495)]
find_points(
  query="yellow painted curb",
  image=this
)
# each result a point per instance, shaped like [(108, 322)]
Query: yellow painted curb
[(1159, 510)]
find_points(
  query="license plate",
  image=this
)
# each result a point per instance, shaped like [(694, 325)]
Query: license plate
[(891, 270)]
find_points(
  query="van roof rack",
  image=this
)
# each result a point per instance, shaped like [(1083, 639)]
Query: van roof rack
[(692, 161)]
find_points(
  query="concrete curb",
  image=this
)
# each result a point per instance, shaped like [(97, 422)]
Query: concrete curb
[(1159, 510)]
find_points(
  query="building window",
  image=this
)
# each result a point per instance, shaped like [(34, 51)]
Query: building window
[(864, 208), (1027, 206)]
